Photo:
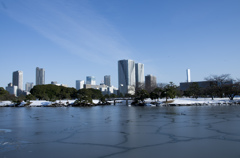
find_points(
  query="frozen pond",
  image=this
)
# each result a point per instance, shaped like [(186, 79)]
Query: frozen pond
[(120, 132)]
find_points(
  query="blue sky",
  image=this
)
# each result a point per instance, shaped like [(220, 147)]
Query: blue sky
[(72, 39)]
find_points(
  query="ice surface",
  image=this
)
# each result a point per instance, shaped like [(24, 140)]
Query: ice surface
[(120, 131)]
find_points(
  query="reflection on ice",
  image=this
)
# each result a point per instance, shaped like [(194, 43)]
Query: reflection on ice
[(5, 130)]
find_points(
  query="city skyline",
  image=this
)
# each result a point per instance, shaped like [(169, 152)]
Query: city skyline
[(72, 39), (138, 68)]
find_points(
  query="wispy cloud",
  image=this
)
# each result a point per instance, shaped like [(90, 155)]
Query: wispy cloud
[(73, 25)]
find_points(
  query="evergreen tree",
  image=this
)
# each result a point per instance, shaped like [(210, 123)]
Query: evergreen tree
[(193, 90)]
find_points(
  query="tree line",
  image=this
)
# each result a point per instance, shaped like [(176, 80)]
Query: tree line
[(51, 92), (220, 86), (167, 91), (4, 95)]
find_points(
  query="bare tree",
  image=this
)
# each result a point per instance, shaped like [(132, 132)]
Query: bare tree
[(221, 79), (162, 85), (231, 90)]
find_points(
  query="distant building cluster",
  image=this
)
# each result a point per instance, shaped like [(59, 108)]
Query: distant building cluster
[(131, 76), (105, 87), (16, 86)]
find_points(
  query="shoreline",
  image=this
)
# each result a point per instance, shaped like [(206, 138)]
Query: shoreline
[(149, 102)]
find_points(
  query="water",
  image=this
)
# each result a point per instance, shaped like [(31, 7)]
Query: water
[(120, 131)]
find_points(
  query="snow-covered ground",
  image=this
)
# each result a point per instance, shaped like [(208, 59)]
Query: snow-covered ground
[(202, 101), (5, 103), (176, 101), (35, 103)]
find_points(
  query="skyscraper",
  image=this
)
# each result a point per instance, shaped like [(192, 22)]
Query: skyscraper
[(139, 72), (17, 79), (40, 76), (150, 82), (188, 75), (126, 76), (79, 84), (90, 80), (107, 80), (28, 86)]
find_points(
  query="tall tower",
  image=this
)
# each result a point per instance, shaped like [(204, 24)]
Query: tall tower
[(40, 76), (139, 73), (17, 79), (79, 84), (107, 80), (188, 75), (90, 80), (126, 76)]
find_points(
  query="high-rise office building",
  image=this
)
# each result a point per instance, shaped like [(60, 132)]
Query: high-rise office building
[(126, 76), (107, 80), (139, 72), (188, 75), (28, 86), (150, 82), (17, 79), (40, 76), (90, 80), (79, 84)]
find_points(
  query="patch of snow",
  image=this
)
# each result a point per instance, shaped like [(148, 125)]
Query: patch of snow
[(199, 101), (5, 103), (95, 101)]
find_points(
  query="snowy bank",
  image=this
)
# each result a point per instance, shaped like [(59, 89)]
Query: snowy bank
[(205, 101), (39, 103), (173, 102), (199, 101), (5, 103)]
